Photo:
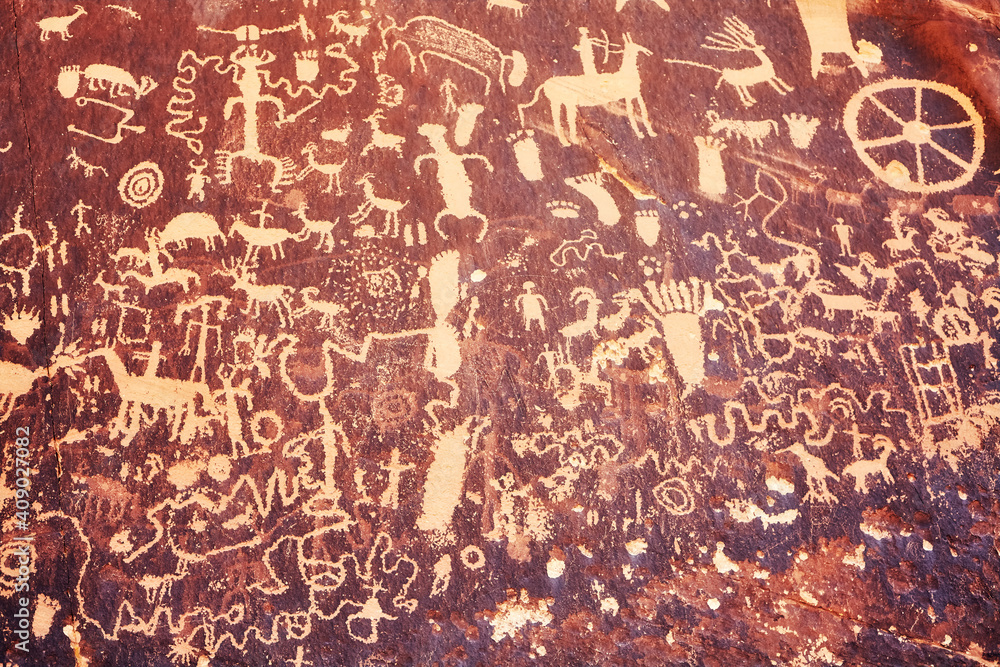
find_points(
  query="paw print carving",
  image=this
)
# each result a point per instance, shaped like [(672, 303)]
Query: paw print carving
[(650, 266), (685, 209)]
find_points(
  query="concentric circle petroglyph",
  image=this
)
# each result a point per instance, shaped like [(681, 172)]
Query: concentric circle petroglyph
[(141, 185)]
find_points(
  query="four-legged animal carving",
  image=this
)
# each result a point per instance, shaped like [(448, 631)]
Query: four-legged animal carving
[(569, 93), (59, 24), (382, 139), (278, 296), (178, 399), (261, 237), (515, 6), (331, 170), (322, 227), (188, 226), (328, 310), (391, 207), (117, 81), (737, 37), (157, 274), (355, 33)]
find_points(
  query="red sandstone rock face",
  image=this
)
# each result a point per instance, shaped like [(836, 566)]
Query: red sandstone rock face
[(477, 333)]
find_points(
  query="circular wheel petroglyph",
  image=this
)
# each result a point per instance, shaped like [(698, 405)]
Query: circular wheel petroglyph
[(911, 131)]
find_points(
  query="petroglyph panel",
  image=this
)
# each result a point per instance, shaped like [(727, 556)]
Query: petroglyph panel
[(499, 332)]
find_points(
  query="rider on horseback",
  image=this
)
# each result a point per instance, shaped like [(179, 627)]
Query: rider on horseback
[(586, 48)]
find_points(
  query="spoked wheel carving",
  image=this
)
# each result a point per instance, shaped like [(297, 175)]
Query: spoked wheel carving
[(922, 156)]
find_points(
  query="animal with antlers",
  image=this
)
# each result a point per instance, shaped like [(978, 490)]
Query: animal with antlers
[(244, 279), (735, 37)]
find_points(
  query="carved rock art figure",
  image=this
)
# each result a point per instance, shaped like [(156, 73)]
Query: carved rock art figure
[(59, 24), (592, 187), (679, 308), (332, 171), (826, 26), (188, 226), (198, 179), (428, 35), (445, 477), (620, 5), (515, 6), (178, 399), (320, 328), (526, 152), (801, 129), (923, 138), (737, 37), (158, 275), (248, 60), (75, 162), (380, 138), (307, 65), (456, 187), (390, 207), (354, 33), (141, 185), (118, 82), (466, 123), (20, 263), (22, 325), (754, 131), (587, 324), (647, 226), (262, 237), (567, 94), (711, 173), (115, 80), (324, 228)]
